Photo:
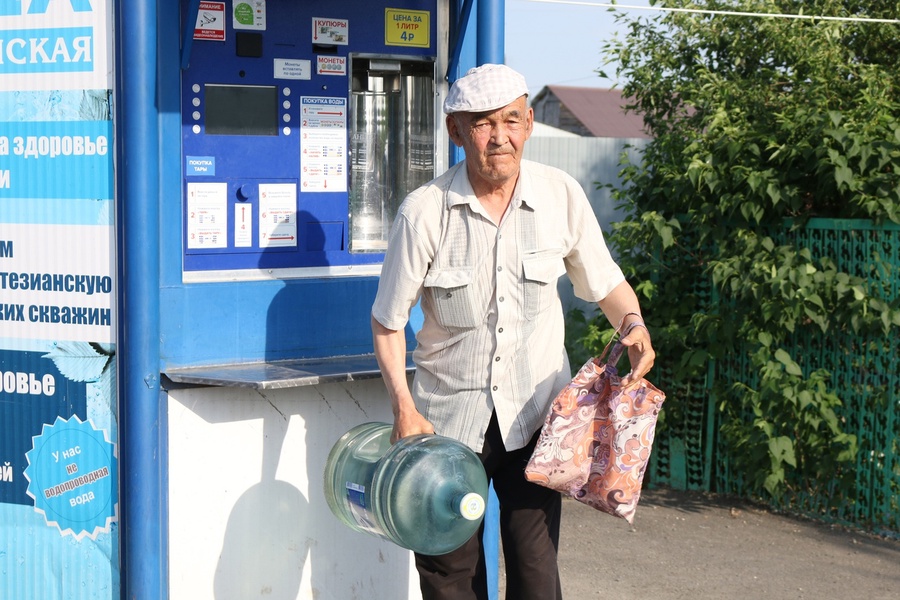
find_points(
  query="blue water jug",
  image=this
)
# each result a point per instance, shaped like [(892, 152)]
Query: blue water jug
[(425, 493)]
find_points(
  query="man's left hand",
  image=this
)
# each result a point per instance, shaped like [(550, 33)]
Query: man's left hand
[(640, 354)]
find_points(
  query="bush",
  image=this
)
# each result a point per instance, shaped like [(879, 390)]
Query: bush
[(759, 125)]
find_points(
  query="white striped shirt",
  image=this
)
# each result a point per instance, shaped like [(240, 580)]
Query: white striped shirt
[(492, 338)]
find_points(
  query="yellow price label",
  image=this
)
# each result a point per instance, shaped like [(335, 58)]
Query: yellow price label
[(407, 27)]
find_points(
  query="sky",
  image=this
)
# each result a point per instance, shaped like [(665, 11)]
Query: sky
[(561, 43)]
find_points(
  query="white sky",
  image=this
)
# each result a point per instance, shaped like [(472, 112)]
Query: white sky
[(560, 43)]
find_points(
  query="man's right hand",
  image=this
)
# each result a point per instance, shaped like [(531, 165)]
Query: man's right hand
[(390, 350), (410, 423)]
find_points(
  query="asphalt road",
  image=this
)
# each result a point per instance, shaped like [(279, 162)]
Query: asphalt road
[(686, 545)]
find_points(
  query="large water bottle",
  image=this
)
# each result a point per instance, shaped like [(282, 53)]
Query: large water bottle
[(425, 493)]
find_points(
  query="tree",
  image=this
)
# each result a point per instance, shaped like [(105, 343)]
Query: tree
[(760, 124)]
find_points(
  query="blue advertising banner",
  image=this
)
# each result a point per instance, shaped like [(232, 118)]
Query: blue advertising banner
[(49, 50), (30, 151), (59, 469), (34, 392)]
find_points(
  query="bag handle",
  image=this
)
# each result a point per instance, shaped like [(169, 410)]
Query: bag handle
[(617, 347)]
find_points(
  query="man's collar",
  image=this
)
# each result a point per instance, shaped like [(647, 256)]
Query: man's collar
[(461, 192), (525, 188)]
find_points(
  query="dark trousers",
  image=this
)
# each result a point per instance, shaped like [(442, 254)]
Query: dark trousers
[(529, 532)]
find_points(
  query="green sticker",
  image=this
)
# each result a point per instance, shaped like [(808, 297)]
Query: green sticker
[(243, 13)]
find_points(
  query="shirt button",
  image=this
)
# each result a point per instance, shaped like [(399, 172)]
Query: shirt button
[(500, 298), (499, 268), (500, 330), (449, 294), (497, 359), (494, 388)]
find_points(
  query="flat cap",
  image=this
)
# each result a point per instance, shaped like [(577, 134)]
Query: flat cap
[(484, 89)]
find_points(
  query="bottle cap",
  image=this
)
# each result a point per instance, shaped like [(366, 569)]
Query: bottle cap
[(471, 507)]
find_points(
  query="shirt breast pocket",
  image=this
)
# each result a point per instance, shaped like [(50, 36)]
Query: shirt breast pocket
[(452, 296), (541, 270)]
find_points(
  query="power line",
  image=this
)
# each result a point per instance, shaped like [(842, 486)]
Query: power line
[(722, 12)]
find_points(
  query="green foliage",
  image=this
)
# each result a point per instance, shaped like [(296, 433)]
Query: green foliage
[(759, 125), (786, 421)]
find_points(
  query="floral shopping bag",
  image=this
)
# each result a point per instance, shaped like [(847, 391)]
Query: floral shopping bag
[(596, 440)]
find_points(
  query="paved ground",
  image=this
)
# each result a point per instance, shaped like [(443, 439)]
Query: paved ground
[(686, 545)]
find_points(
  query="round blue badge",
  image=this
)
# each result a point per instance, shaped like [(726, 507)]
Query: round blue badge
[(72, 476)]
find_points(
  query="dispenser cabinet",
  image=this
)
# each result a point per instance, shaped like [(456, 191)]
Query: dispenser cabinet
[(304, 125)]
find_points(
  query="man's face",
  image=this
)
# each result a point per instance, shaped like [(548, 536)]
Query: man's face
[(493, 141)]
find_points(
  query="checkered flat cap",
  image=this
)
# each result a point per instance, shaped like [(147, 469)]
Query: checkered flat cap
[(484, 89)]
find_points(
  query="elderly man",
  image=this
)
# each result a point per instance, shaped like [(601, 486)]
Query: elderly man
[(482, 246)]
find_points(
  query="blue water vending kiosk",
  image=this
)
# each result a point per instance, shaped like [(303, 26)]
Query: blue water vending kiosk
[(257, 188), (302, 125)]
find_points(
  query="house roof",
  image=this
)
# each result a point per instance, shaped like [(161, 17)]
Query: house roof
[(600, 110), (544, 130)]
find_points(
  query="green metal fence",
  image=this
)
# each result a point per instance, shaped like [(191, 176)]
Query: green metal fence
[(682, 454), (865, 375)]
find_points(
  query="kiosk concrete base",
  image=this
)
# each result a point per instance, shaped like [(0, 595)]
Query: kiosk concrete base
[(247, 514)]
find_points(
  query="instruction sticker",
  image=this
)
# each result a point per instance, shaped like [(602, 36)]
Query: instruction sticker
[(330, 32), (331, 65), (243, 225), (277, 215), (207, 215), (323, 144), (407, 27), (290, 68)]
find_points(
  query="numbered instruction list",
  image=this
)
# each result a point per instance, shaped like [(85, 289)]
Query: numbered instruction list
[(323, 144)]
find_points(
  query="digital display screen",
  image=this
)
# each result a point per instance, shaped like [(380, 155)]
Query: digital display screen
[(241, 110)]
